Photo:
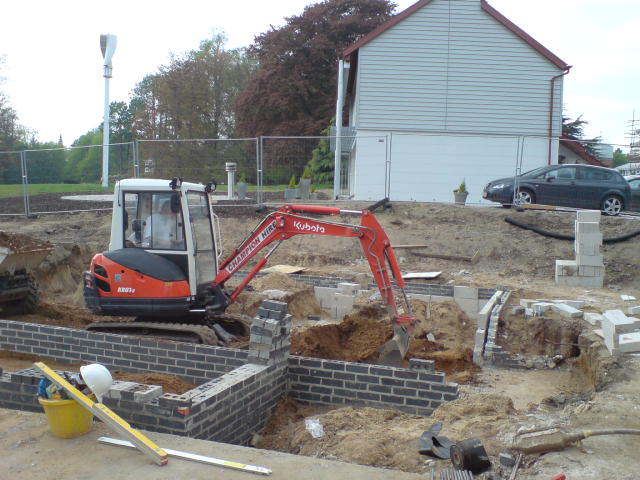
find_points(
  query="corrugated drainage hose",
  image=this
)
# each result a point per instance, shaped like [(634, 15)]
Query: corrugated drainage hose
[(550, 439), (561, 236)]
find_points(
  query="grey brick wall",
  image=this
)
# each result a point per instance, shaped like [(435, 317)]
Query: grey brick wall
[(192, 362), (332, 382)]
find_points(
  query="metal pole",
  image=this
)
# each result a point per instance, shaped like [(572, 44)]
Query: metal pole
[(136, 160), (105, 129), (25, 184), (260, 168), (338, 152)]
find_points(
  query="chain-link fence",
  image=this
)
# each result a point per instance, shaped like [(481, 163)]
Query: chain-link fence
[(408, 166)]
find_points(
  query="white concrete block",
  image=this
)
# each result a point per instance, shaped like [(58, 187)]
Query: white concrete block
[(566, 310), (541, 307), (614, 323), (480, 336), (627, 298), (629, 342), (325, 296), (576, 281), (468, 306), (588, 216), (589, 260), (589, 239), (586, 227), (348, 288), (633, 310), (465, 292), (527, 302), (344, 305), (586, 248), (566, 268), (593, 318), (571, 303), (590, 271)]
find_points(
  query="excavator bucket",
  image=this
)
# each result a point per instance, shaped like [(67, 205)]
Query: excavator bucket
[(392, 353)]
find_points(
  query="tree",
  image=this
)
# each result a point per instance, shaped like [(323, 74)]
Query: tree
[(575, 129), (293, 91), (322, 161), (619, 158)]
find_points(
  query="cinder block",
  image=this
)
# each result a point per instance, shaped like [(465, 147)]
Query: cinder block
[(566, 310), (586, 248), (633, 310), (572, 303), (587, 227), (465, 292), (576, 281), (541, 307), (325, 296), (566, 268), (590, 271), (627, 298), (588, 216), (348, 288), (593, 318), (614, 323), (629, 342), (589, 239), (589, 260)]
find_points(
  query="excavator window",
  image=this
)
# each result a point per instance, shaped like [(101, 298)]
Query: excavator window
[(156, 221)]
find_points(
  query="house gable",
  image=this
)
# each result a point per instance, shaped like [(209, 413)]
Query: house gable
[(453, 66)]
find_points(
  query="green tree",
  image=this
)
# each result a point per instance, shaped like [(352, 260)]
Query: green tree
[(619, 158), (322, 161), (575, 129), (84, 161), (293, 91)]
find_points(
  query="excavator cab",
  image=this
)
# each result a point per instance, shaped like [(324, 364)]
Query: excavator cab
[(163, 252)]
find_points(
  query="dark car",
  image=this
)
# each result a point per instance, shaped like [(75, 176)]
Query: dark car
[(580, 186), (634, 182)]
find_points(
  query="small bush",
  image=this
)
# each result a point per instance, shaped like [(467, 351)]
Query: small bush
[(292, 182)]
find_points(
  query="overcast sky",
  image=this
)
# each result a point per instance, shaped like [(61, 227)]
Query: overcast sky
[(53, 64)]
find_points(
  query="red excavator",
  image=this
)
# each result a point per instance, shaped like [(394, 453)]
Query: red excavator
[(163, 264)]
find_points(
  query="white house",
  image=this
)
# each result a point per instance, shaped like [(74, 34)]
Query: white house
[(446, 90)]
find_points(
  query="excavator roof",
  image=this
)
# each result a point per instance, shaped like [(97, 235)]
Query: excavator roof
[(155, 184)]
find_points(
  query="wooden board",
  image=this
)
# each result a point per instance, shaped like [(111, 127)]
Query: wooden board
[(284, 269), (410, 275)]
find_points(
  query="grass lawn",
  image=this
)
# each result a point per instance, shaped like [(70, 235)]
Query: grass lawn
[(39, 188)]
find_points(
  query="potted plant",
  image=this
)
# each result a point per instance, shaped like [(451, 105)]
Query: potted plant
[(242, 187), (305, 184), (460, 193), (291, 192)]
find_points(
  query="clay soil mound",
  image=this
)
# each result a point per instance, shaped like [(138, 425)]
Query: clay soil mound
[(386, 438), (20, 243)]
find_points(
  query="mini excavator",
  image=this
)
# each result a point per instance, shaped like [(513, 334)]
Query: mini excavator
[(164, 265)]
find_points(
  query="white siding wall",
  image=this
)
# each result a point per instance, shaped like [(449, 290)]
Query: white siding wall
[(427, 168), (450, 66)]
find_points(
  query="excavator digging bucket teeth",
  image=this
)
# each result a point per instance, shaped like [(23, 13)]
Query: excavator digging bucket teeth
[(392, 353)]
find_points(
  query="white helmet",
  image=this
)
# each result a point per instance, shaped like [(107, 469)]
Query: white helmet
[(97, 378)]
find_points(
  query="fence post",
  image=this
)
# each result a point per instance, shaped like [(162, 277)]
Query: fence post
[(25, 183), (259, 164), (136, 159)]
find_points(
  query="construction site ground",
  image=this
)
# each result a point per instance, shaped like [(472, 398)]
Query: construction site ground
[(494, 402)]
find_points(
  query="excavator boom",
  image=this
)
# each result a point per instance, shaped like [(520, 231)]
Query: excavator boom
[(289, 221)]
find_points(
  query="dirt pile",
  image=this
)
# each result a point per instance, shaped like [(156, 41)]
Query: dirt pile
[(20, 243), (278, 286), (385, 438)]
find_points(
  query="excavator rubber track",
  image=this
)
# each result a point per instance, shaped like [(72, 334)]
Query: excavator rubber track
[(181, 332)]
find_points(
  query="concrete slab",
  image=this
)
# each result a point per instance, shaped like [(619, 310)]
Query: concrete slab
[(572, 303), (590, 260), (465, 292), (627, 298), (588, 216), (629, 342), (587, 227), (633, 310), (566, 310), (593, 318)]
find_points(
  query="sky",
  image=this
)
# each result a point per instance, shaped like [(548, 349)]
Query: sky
[(53, 64)]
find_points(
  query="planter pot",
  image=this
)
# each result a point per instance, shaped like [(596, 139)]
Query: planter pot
[(242, 190), (313, 196), (290, 193), (304, 188), (460, 197)]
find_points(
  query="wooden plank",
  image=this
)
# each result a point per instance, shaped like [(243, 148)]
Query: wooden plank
[(195, 457), (109, 417), (284, 269), (410, 275)]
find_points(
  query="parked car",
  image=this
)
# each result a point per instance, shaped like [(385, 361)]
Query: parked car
[(634, 182), (580, 186)]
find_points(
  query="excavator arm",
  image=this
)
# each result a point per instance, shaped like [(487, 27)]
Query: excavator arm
[(289, 221)]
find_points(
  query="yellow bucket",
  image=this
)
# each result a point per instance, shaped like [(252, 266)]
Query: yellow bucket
[(67, 418)]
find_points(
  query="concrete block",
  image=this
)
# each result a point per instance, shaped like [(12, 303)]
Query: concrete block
[(586, 248), (325, 296), (344, 305), (627, 298), (633, 310), (566, 268), (590, 271), (527, 302), (541, 307), (588, 216), (589, 239), (575, 281), (468, 306), (566, 310), (589, 260), (348, 288), (614, 323), (480, 336), (572, 303), (465, 292), (586, 227), (593, 318), (629, 342)]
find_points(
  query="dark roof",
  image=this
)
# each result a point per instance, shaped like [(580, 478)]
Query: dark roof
[(485, 6), (573, 144)]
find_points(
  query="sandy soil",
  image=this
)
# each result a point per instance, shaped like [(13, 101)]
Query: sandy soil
[(494, 402)]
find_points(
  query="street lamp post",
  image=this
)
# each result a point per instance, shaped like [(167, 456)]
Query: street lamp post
[(108, 47)]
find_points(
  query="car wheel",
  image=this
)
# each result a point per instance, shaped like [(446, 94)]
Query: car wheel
[(525, 197), (611, 205)]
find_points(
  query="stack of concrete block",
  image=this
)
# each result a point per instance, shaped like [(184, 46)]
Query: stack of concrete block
[(339, 301), (270, 340), (621, 333), (587, 270)]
